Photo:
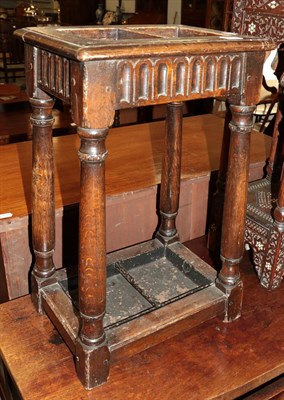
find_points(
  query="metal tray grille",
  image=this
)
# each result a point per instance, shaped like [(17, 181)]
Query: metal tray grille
[(144, 282)]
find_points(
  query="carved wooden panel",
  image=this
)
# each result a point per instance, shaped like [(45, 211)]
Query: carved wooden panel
[(164, 79), (259, 18), (54, 74), (154, 80)]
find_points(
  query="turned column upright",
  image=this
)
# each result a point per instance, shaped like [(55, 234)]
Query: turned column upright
[(171, 171), (233, 228), (92, 354), (43, 207)]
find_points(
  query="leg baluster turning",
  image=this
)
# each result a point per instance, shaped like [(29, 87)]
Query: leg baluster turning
[(43, 208), (171, 170), (92, 354), (233, 229)]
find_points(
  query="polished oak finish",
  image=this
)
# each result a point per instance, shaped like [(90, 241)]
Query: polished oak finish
[(98, 71), (211, 361)]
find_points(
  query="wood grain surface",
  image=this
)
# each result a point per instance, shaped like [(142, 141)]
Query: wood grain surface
[(212, 361), (133, 162)]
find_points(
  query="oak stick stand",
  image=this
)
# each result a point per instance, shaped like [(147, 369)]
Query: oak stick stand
[(118, 304)]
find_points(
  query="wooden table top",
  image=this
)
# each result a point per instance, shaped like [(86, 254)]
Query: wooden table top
[(212, 361), (129, 148), (116, 42)]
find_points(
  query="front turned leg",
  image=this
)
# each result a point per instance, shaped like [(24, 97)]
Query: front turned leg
[(233, 228), (43, 207), (92, 354), (171, 170)]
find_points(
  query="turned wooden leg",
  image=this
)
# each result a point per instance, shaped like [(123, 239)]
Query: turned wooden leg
[(92, 354), (171, 170), (233, 228), (43, 208), (217, 204)]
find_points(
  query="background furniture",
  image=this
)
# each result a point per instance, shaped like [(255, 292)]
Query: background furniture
[(265, 220), (213, 14), (150, 12), (264, 19), (265, 223), (11, 52), (76, 12)]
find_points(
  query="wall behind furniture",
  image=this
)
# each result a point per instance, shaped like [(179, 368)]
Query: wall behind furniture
[(174, 11), (127, 6)]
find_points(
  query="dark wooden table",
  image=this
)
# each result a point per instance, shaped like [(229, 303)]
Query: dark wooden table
[(98, 71), (212, 361)]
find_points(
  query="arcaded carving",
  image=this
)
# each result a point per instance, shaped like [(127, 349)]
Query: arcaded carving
[(54, 74), (154, 79), (173, 79)]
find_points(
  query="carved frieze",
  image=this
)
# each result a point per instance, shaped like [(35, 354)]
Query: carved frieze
[(54, 74), (153, 80), (163, 79)]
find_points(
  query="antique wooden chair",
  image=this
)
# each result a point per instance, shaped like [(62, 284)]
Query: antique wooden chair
[(265, 211)]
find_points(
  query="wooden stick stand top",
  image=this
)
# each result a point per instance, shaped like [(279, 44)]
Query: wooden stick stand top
[(121, 303)]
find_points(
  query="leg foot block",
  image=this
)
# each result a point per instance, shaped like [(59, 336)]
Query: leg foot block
[(36, 285), (92, 364), (234, 298)]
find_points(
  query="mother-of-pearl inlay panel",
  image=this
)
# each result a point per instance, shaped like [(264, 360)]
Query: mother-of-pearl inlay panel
[(259, 18)]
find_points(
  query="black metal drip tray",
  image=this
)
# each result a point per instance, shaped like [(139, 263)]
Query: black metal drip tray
[(144, 278)]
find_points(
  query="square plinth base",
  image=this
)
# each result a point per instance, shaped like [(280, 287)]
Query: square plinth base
[(153, 292)]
